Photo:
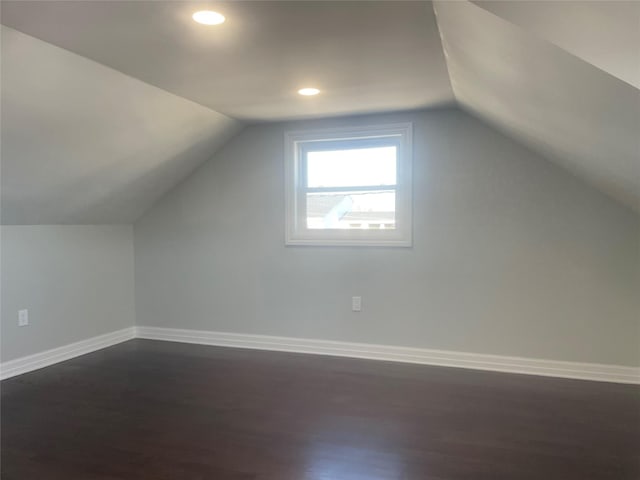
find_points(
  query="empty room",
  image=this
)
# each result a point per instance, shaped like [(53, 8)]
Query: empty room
[(320, 240)]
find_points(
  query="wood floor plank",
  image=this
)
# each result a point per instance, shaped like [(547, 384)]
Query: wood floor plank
[(148, 410)]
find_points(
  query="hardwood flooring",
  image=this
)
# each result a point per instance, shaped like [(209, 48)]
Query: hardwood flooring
[(150, 410)]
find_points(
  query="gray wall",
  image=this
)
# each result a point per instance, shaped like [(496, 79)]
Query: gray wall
[(76, 282), (511, 254)]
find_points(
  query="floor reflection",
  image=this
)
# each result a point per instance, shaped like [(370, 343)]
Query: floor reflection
[(366, 460)]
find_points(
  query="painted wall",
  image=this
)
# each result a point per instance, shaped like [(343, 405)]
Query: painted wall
[(511, 256), (76, 281)]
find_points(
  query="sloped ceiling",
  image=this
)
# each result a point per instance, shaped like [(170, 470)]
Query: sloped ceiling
[(82, 143), (86, 143), (365, 56), (603, 33), (566, 108)]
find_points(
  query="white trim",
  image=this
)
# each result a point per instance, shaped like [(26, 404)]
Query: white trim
[(445, 358), (49, 357), (477, 361), (296, 232)]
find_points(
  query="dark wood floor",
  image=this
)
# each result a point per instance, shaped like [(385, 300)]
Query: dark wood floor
[(158, 410)]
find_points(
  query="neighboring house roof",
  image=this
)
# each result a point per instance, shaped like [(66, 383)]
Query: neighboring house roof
[(319, 206), (383, 217)]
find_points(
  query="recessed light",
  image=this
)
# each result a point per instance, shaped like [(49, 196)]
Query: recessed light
[(307, 92), (208, 17)]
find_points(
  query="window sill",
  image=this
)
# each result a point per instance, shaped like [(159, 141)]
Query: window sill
[(342, 242)]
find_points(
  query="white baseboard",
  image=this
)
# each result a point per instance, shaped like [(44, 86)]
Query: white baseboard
[(529, 366), (66, 352), (477, 361)]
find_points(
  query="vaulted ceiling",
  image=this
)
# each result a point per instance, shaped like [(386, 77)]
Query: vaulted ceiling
[(580, 114), (365, 56), (82, 143), (107, 105)]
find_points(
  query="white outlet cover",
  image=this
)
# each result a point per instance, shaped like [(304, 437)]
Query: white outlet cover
[(356, 304), (23, 318)]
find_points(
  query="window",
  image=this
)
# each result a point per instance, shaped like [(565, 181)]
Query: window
[(349, 186)]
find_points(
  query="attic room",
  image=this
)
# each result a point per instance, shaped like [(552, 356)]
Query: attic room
[(320, 240)]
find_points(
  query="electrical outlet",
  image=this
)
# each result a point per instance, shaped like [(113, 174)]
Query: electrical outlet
[(356, 304), (23, 318)]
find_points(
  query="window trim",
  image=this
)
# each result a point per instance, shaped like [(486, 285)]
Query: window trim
[(296, 232)]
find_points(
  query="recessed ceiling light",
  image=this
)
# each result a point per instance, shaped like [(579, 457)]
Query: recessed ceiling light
[(307, 92), (207, 17)]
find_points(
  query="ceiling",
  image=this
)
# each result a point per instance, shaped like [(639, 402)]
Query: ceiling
[(82, 143), (108, 105), (603, 33), (552, 100), (365, 56)]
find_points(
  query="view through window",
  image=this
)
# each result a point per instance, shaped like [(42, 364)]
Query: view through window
[(349, 186), (352, 188)]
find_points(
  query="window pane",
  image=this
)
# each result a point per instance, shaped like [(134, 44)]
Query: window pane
[(352, 210), (350, 168)]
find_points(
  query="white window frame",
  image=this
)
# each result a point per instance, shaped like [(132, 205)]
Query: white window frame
[(296, 231)]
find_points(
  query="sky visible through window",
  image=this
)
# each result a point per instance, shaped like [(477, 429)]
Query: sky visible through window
[(354, 167), (344, 209)]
